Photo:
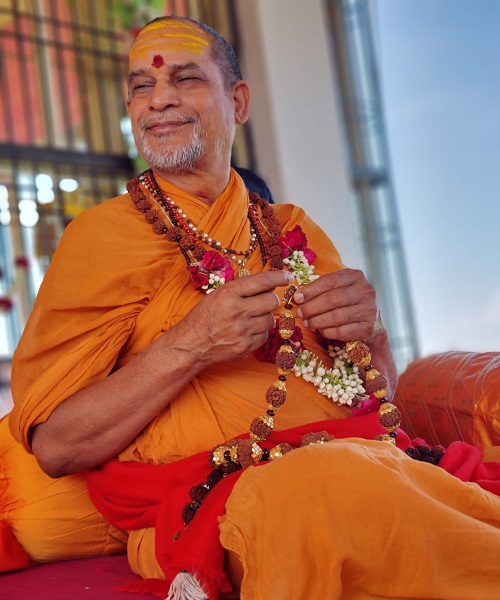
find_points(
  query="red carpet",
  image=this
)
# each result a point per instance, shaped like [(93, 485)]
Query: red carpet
[(92, 579)]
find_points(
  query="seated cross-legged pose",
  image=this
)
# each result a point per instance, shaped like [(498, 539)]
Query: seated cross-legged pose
[(203, 385)]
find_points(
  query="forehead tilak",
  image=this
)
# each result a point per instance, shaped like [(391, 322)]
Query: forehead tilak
[(186, 38)]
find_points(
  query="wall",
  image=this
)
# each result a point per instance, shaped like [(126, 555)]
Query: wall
[(298, 139)]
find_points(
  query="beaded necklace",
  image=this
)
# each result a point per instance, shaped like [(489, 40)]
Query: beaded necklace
[(193, 241)]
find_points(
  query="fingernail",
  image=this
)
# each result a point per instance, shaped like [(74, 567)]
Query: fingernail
[(299, 313), (305, 322), (298, 297), (289, 276)]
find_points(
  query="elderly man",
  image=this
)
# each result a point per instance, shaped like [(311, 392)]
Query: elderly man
[(154, 344)]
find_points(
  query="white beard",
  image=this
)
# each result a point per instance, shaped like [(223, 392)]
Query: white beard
[(174, 158)]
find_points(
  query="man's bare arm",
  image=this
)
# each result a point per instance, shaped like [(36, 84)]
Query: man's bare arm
[(98, 422)]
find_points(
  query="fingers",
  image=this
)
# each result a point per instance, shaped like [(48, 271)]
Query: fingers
[(338, 280), (251, 296), (259, 283), (341, 305)]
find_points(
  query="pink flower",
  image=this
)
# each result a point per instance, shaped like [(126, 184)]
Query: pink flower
[(295, 240), (310, 255), (267, 352)]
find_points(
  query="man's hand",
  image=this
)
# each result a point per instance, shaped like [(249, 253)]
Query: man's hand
[(232, 321), (341, 305)]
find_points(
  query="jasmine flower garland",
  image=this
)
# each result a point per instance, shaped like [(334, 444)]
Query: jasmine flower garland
[(341, 383), (298, 264)]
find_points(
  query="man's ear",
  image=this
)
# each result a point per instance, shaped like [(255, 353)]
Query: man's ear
[(241, 96)]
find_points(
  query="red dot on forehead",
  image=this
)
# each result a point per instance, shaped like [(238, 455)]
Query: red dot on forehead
[(157, 61)]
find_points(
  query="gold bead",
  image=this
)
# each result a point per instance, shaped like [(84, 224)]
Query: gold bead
[(257, 452), (384, 437), (371, 374), (233, 451), (279, 385), (218, 455), (380, 393), (275, 453), (285, 334)]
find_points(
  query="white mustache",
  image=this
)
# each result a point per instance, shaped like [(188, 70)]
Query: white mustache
[(166, 119)]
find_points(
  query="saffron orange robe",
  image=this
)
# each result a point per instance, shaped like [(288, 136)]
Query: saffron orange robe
[(112, 288)]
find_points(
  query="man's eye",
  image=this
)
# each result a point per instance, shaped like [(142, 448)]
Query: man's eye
[(188, 78)]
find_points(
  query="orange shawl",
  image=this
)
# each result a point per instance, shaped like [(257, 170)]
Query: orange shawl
[(112, 288)]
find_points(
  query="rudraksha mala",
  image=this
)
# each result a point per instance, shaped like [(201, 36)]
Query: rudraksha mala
[(376, 384), (240, 453), (191, 240)]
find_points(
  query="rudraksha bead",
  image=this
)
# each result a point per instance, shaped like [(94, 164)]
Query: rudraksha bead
[(214, 477), (261, 427), (276, 397), (199, 253), (174, 234), (389, 416), (199, 492), (151, 216), (143, 205), (159, 228), (358, 353), (285, 358), (189, 512)]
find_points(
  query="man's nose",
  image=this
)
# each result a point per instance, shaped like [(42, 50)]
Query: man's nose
[(164, 96)]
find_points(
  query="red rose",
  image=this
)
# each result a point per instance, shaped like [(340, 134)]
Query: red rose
[(213, 262), (295, 240), (199, 278)]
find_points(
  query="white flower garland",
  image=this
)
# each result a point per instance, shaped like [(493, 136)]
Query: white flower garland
[(214, 281), (298, 264), (341, 383)]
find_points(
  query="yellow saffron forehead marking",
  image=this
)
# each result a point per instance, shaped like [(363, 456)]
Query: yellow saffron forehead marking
[(153, 36)]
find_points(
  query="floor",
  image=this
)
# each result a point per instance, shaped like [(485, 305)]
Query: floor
[(91, 578)]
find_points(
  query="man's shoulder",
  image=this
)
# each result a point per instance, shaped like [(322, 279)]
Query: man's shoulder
[(108, 210)]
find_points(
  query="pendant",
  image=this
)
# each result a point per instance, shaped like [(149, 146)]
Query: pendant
[(244, 272)]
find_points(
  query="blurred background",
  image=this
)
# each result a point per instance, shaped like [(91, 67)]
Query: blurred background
[(379, 117)]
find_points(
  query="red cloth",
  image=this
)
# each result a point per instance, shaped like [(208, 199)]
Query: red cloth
[(135, 495)]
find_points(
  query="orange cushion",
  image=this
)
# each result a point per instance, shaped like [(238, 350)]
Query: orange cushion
[(452, 396)]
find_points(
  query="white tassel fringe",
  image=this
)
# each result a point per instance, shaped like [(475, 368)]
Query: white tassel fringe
[(186, 587)]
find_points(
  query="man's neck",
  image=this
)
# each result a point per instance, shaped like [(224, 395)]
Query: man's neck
[(204, 185)]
